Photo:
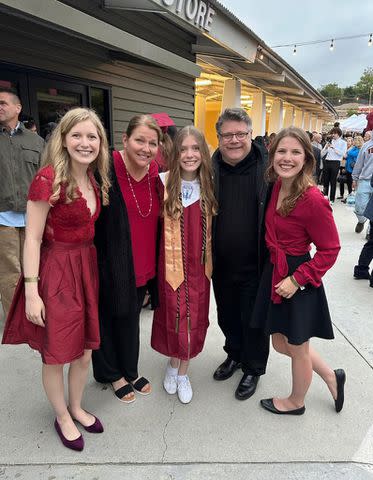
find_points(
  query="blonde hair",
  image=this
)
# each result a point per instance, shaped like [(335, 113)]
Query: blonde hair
[(173, 204), (304, 179), (358, 141), (56, 155)]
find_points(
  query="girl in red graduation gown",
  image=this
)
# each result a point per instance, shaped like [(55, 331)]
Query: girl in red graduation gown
[(291, 303), (185, 265), (54, 308)]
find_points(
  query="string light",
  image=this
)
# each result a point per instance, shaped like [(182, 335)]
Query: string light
[(332, 42)]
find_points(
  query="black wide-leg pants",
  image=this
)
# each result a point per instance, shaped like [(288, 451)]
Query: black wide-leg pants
[(235, 303), (330, 174), (118, 355)]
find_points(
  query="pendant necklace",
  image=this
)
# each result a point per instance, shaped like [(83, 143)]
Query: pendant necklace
[(143, 215)]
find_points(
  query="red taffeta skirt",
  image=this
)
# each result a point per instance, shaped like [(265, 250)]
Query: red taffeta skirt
[(68, 287)]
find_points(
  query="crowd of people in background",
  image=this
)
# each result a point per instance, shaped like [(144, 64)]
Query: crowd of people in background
[(161, 218)]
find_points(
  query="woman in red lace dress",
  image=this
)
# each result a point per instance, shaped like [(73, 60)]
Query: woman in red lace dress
[(54, 309)]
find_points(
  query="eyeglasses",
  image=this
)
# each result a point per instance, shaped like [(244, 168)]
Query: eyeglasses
[(227, 137)]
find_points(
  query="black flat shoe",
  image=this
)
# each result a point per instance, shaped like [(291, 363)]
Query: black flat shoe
[(226, 369), (268, 404), (247, 386), (340, 376)]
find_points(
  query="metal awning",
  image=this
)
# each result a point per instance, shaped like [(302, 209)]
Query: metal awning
[(81, 25)]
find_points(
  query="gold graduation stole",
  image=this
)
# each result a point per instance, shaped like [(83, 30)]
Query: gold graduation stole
[(174, 249)]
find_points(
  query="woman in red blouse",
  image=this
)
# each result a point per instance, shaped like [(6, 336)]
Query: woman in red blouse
[(126, 238), (54, 308), (291, 303)]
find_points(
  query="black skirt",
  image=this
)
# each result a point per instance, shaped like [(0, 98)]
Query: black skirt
[(304, 315)]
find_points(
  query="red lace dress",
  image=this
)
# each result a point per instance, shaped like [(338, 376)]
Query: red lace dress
[(68, 282)]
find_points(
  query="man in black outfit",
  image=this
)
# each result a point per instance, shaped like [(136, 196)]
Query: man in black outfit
[(238, 247)]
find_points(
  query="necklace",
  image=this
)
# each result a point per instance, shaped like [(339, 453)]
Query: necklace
[(143, 215)]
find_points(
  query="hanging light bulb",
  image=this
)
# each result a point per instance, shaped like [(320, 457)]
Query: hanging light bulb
[(370, 41), (260, 53), (295, 50), (332, 45)]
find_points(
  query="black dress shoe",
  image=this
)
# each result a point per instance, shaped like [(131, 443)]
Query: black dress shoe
[(247, 386), (226, 369), (340, 376), (268, 404)]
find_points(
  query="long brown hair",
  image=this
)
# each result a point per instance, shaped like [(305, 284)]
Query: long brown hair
[(173, 203), (304, 179), (56, 154)]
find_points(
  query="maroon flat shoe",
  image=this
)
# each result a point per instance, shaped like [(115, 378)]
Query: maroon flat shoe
[(77, 444), (96, 426)]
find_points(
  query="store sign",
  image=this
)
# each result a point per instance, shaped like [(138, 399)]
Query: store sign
[(197, 12)]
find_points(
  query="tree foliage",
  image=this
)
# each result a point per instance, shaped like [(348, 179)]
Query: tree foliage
[(352, 94)]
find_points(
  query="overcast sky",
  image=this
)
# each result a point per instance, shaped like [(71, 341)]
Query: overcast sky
[(293, 21)]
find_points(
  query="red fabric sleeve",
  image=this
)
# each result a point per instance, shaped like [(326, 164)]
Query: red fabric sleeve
[(321, 228), (41, 187)]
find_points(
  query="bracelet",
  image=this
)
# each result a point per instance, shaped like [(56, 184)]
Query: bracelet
[(31, 279), (294, 282)]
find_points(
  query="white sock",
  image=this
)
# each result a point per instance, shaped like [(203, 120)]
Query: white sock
[(172, 370), (181, 376)]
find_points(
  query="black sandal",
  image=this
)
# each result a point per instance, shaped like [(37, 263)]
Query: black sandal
[(139, 384), (122, 392)]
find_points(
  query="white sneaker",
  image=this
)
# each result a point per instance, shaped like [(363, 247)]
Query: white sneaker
[(170, 381), (184, 389)]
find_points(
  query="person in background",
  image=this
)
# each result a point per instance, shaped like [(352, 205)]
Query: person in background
[(260, 141), (342, 177), (361, 270), (271, 139), (126, 238), (361, 175), (316, 142), (317, 154), (367, 135), (291, 304), (54, 309), (180, 322), (334, 150), (351, 158), (167, 125), (29, 123), (20, 154)]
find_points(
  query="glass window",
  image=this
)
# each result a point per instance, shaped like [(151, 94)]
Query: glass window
[(99, 101), (52, 104)]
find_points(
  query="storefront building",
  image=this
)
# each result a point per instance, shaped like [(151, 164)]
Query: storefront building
[(189, 58)]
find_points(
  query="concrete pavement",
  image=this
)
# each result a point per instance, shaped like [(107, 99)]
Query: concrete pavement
[(215, 436)]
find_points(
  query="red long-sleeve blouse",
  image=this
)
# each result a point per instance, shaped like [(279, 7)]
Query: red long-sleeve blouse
[(310, 222)]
